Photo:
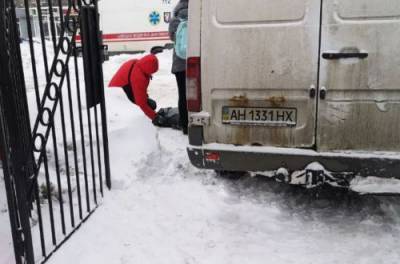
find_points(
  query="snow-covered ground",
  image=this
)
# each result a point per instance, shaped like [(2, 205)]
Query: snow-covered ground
[(163, 210)]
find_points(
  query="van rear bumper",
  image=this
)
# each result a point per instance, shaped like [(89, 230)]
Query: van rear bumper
[(261, 159)]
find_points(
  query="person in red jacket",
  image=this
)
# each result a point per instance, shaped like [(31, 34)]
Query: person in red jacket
[(134, 77)]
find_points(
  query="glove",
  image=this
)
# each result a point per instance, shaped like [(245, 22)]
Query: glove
[(160, 121)]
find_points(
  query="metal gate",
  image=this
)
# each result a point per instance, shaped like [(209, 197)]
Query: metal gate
[(53, 124)]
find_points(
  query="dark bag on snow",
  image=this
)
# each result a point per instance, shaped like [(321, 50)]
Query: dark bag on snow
[(171, 114)]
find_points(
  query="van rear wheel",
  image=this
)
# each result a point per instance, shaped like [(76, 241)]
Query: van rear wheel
[(230, 175)]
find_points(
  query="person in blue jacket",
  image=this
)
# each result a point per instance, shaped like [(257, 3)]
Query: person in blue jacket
[(179, 65)]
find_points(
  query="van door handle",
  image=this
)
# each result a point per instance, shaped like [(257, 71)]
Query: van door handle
[(344, 55), (313, 91), (322, 93)]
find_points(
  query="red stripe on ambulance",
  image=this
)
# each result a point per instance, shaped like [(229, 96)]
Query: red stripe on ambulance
[(136, 36)]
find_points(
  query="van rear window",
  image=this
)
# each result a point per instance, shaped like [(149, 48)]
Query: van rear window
[(369, 9), (260, 11)]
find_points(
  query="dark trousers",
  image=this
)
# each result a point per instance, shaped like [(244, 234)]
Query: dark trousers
[(131, 97), (183, 112)]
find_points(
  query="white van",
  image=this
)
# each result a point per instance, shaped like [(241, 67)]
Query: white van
[(276, 85), (135, 25)]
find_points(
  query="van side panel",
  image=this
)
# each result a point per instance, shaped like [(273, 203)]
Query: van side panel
[(260, 53), (362, 107)]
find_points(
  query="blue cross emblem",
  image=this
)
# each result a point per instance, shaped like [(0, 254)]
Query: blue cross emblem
[(154, 18)]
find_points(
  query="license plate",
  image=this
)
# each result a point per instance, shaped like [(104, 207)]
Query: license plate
[(262, 116)]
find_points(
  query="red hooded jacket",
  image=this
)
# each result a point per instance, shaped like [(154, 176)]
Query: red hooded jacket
[(139, 80)]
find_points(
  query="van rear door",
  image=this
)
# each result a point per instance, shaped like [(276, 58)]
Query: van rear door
[(260, 71), (359, 107)]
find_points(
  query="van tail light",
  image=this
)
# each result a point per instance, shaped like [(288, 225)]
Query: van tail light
[(193, 84), (212, 156)]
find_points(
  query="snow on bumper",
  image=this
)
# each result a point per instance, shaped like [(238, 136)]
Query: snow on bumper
[(249, 158)]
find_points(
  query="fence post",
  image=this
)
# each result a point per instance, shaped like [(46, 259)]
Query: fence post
[(16, 134), (93, 57)]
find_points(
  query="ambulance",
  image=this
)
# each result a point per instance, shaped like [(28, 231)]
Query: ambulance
[(301, 89), (135, 25)]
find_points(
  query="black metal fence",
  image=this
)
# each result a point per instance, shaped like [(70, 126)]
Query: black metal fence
[(53, 138)]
